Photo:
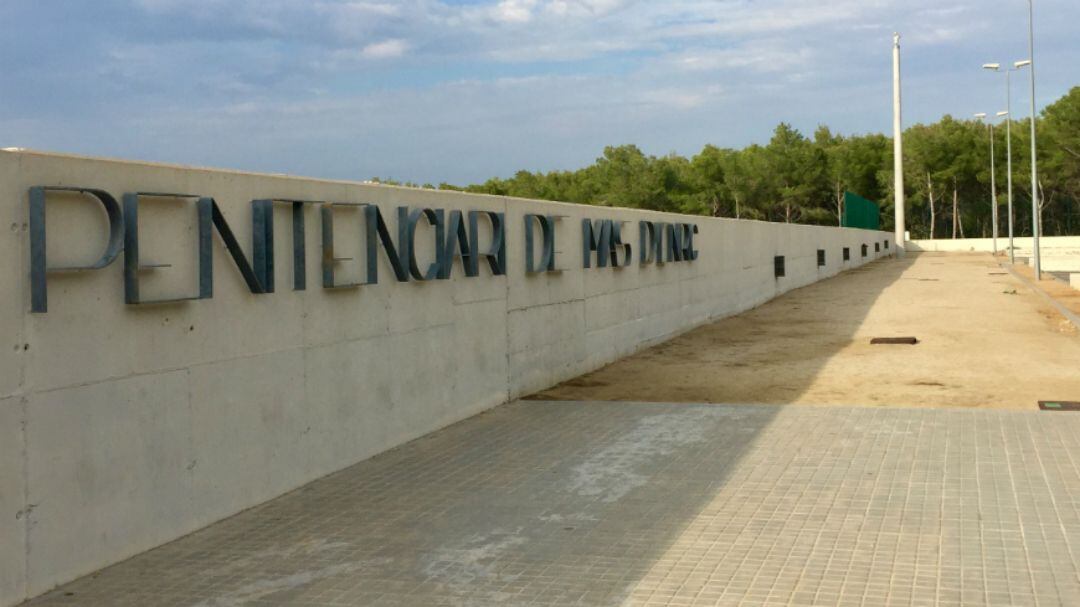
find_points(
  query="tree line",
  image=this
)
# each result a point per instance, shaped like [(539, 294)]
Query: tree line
[(796, 178)]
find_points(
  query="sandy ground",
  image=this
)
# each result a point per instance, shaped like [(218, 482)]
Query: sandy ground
[(1056, 288), (986, 341)]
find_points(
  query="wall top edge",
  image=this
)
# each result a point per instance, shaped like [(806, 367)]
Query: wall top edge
[(987, 239), (18, 152)]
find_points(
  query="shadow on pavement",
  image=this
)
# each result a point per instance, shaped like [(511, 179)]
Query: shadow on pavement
[(769, 355)]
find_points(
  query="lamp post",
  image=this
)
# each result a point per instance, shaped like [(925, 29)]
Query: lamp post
[(1036, 213), (996, 67), (1007, 115), (900, 221), (1019, 65), (993, 181)]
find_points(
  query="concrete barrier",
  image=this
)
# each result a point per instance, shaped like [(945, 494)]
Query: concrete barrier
[(1063, 262), (125, 426), (986, 245)]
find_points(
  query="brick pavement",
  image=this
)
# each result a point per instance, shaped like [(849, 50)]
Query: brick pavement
[(539, 503)]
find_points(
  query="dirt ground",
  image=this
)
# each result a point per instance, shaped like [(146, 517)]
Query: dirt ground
[(1054, 287), (985, 341)]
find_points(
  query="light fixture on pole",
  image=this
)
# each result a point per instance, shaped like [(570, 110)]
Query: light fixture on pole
[(996, 67), (993, 180)]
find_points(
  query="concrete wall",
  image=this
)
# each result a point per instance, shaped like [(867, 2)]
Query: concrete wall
[(1060, 262), (985, 245), (123, 427)]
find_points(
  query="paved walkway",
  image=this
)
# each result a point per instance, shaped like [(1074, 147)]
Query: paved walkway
[(577, 503)]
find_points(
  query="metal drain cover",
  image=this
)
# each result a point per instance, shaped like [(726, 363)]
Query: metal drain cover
[(1059, 405), (894, 341)]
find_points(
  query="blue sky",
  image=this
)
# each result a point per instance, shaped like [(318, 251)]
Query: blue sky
[(462, 90)]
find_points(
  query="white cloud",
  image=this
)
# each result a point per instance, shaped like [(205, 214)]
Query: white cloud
[(514, 11), (372, 8), (767, 57), (673, 98), (583, 7), (387, 49)]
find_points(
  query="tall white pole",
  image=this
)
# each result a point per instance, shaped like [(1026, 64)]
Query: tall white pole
[(898, 151), (1035, 215), (1008, 138), (993, 188)]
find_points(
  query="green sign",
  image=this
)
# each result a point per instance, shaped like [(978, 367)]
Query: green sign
[(861, 213)]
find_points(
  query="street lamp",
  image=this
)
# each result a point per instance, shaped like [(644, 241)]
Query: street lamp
[(996, 67), (993, 179), (1007, 115), (1035, 211), (1036, 214), (900, 220)]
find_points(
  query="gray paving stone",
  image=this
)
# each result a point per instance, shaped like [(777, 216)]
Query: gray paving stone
[(651, 504)]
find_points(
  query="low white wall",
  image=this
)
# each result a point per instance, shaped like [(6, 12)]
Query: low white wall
[(1057, 263), (986, 245), (123, 427)]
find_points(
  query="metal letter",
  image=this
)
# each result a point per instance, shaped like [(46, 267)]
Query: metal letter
[(616, 242), (457, 244), (233, 246), (594, 240), (263, 256), (329, 260), (435, 219), (262, 242), (673, 234), (132, 266), (648, 244), (547, 251), (496, 253), (39, 268), (376, 231), (689, 252)]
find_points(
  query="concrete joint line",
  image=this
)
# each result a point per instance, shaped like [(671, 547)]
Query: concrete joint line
[(545, 305), (1067, 313), (176, 368), (24, 405)]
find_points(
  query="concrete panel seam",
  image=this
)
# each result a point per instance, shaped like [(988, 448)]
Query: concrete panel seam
[(165, 370), (545, 305), (310, 463), (24, 405), (24, 242), (413, 331), (192, 465), (16, 394), (508, 384), (459, 304), (174, 369)]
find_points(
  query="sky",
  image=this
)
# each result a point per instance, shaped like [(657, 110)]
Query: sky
[(462, 90)]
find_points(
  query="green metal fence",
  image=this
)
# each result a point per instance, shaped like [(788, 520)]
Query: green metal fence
[(861, 213)]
